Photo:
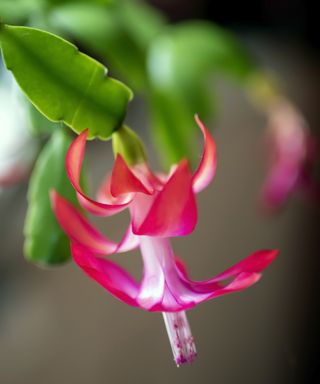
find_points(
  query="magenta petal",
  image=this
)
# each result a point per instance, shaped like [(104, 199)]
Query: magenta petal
[(74, 160), (129, 241), (104, 194), (241, 281), (108, 274), (166, 286), (144, 174), (162, 287), (256, 263), (180, 264), (207, 167), (244, 274), (76, 226), (123, 180), (173, 211)]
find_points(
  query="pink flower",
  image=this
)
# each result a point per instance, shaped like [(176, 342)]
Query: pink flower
[(292, 155), (160, 207)]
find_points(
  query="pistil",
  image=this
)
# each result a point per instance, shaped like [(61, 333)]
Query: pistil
[(180, 337)]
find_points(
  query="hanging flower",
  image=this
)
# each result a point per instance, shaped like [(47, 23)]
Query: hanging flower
[(161, 206), (292, 152)]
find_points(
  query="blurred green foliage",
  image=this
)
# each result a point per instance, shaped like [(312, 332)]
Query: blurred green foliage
[(45, 243), (64, 84), (182, 65), (172, 66)]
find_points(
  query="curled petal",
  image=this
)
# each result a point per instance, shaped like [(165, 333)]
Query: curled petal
[(173, 211), (123, 180), (180, 264), (244, 274), (129, 241), (77, 228), (148, 178), (74, 160), (107, 273), (255, 263), (165, 285), (100, 209), (181, 293), (242, 281), (207, 167), (104, 193)]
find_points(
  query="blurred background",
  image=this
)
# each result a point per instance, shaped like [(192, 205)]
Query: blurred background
[(57, 326)]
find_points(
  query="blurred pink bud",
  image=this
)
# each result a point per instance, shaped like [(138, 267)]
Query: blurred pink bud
[(292, 152)]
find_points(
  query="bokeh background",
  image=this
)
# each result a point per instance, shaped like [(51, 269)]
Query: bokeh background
[(57, 326)]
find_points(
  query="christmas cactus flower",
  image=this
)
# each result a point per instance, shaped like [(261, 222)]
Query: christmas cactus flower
[(292, 152), (161, 207)]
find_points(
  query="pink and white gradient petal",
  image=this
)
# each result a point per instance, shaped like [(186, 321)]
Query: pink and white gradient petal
[(124, 181), (165, 285), (77, 228), (107, 273), (129, 241), (74, 160), (244, 274), (173, 211), (208, 164), (104, 194), (80, 231)]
